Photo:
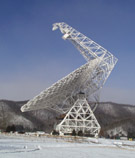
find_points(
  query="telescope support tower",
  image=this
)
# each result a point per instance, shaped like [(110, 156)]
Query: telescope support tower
[(80, 118)]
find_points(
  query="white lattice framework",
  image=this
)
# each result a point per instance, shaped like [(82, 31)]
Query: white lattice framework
[(89, 78), (62, 95), (80, 118), (90, 50)]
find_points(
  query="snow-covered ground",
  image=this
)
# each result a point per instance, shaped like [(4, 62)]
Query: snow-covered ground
[(22, 146)]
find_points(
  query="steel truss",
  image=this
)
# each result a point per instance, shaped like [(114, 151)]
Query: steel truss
[(90, 50), (61, 96), (89, 78), (80, 118)]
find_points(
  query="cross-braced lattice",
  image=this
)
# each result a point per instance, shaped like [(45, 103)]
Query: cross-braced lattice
[(88, 78), (80, 118)]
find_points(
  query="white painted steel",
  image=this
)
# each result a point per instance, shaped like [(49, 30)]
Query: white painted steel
[(89, 78), (57, 97), (80, 118), (90, 50)]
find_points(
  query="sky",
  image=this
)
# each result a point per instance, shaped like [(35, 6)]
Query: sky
[(32, 56)]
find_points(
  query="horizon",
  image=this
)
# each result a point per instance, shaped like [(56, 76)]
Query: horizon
[(88, 102)]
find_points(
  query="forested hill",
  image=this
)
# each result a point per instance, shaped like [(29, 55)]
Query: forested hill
[(111, 116)]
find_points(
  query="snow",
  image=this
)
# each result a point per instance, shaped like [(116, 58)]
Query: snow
[(31, 146)]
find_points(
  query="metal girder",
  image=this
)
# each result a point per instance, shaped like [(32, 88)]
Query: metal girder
[(89, 78), (79, 118), (90, 50), (58, 95)]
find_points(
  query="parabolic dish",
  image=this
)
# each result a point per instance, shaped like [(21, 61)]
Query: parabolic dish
[(54, 96)]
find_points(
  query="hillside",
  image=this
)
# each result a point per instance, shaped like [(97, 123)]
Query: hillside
[(113, 118)]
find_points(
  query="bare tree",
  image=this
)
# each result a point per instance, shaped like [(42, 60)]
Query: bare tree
[(3, 116)]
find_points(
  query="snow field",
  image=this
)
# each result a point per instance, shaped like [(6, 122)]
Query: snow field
[(21, 146)]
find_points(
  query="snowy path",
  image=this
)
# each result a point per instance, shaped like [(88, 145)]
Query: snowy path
[(33, 147)]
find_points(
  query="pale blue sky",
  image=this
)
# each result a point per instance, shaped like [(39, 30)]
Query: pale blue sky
[(32, 56)]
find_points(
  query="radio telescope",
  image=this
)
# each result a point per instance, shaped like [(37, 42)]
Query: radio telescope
[(71, 94)]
